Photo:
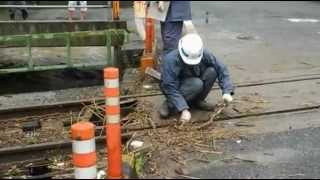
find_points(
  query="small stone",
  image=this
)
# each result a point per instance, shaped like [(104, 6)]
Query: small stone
[(136, 144), (60, 164), (101, 174), (146, 86), (245, 37), (179, 171)]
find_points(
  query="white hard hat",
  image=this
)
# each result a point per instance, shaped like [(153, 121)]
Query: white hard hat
[(191, 49)]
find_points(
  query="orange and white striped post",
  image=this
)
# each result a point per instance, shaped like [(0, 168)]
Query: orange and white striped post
[(148, 57), (84, 150), (113, 128)]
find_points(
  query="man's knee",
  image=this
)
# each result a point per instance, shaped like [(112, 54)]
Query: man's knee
[(192, 87), (197, 85), (210, 74)]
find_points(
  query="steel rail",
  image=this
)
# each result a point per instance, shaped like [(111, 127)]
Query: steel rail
[(49, 146), (46, 146), (267, 113), (130, 131), (237, 85)]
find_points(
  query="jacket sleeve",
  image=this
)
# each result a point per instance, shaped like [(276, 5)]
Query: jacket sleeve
[(170, 84), (225, 83)]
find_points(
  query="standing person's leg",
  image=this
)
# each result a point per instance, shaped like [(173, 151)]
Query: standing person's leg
[(12, 11), (171, 33), (83, 10), (139, 18), (24, 11), (140, 25), (71, 9)]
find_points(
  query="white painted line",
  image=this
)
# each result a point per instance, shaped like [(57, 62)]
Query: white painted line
[(303, 20)]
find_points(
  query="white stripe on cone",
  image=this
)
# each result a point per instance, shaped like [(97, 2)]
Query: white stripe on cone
[(85, 173), (111, 83), (84, 147), (112, 101), (113, 118)]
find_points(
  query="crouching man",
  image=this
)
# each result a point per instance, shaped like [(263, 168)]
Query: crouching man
[(187, 76)]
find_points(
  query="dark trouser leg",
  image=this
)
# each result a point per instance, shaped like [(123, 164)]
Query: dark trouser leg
[(24, 11), (190, 89), (208, 78), (12, 13), (24, 14), (171, 33)]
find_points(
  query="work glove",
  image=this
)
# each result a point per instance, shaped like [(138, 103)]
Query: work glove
[(161, 5), (227, 98), (185, 116)]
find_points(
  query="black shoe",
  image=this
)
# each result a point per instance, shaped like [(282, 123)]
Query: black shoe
[(204, 105), (164, 110)]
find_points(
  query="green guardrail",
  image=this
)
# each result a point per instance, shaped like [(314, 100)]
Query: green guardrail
[(111, 39)]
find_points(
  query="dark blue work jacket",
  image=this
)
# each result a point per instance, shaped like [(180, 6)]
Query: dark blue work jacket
[(174, 70)]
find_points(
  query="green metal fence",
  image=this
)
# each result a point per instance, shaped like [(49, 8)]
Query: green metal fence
[(112, 39)]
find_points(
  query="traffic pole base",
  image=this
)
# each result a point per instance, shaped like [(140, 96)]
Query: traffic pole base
[(147, 60)]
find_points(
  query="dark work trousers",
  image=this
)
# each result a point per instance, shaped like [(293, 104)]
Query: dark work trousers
[(171, 32), (196, 89), (12, 11)]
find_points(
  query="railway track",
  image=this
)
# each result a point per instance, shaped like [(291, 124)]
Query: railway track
[(11, 114), (8, 113)]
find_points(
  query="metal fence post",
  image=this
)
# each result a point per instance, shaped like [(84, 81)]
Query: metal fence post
[(30, 60), (109, 48), (68, 44)]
